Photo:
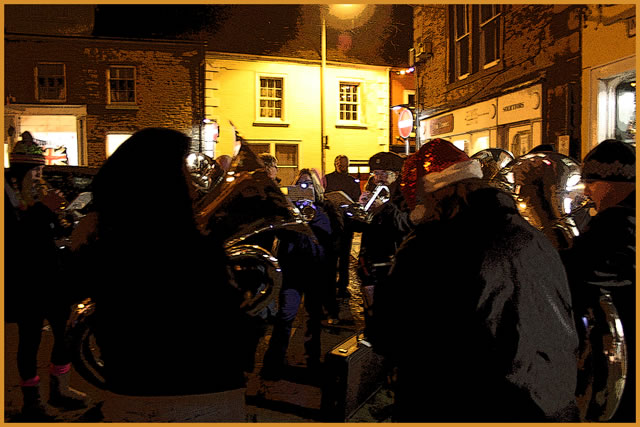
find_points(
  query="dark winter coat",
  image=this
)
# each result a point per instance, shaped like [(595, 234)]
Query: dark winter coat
[(33, 268), (336, 181), (167, 319), (477, 315), (603, 258), (381, 238)]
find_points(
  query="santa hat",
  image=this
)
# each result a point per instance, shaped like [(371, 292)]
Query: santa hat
[(436, 164), (27, 151), (611, 160)]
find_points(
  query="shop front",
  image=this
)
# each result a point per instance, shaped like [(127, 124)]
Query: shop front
[(59, 129), (512, 122)]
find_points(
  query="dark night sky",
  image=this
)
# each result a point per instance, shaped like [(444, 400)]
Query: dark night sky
[(280, 30)]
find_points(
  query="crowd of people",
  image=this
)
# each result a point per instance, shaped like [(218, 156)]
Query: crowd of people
[(472, 307)]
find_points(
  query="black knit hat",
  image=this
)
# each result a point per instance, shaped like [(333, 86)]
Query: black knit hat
[(386, 160), (611, 160)]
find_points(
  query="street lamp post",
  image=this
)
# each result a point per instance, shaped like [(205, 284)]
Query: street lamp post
[(323, 64), (339, 13)]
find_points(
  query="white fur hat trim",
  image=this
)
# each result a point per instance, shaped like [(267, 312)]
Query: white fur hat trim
[(454, 173)]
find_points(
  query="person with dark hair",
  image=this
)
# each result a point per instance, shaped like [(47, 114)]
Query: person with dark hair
[(486, 295), (340, 180), (33, 282), (603, 257), (167, 318)]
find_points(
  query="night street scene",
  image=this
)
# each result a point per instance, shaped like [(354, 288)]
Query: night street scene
[(319, 213)]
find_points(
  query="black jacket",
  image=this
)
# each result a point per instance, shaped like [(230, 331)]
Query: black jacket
[(389, 226), (477, 316), (336, 181), (603, 259)]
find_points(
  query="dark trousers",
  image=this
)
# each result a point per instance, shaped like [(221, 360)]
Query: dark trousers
[(344, 260), (30, 335), (290, 299)]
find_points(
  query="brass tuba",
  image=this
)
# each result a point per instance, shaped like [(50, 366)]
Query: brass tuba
[(247, 213), (549, 194)]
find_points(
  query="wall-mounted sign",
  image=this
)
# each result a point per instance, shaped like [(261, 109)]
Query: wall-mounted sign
[(441, 125), (522, 105)]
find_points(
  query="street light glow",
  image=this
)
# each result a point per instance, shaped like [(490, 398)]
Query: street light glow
[(346, 11)]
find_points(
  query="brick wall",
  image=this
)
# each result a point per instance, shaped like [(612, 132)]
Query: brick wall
[(169, 79), (540, 43)]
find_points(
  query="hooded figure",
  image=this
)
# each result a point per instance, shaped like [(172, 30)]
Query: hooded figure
[(163, 299), (485, 295)]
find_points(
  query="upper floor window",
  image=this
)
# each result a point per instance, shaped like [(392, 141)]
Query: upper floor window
[(122, 85), (349, 102), (462, 38), (475, 42), (489, 34), (271, 97), (51, 82)]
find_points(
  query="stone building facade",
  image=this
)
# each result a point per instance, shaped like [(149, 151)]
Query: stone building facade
[(89, 93), (504, 76)]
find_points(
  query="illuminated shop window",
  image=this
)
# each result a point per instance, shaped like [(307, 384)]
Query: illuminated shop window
[(51, 82), (122, 85), (114, 140), (349, 102), (625, 129)]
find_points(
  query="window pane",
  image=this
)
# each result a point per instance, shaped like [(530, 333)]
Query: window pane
[(487, 11), (270, 97), (259, 148), (461, 20), (626, 112), (490, 42), (50, 81), (463, 56), (122, 84)]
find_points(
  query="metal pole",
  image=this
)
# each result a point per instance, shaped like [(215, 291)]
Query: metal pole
[(323, 64)]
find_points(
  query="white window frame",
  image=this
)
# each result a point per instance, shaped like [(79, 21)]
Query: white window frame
[(63, 92), (359, 103), (283, 115), (109, 78), (602, 100)]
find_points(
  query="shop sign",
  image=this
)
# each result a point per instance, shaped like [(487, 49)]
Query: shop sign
[(441, 125), (519, 106), (478, 116)]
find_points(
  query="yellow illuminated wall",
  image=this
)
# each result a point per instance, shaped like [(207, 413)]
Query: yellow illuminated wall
[(231, 96), (608, 50)]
